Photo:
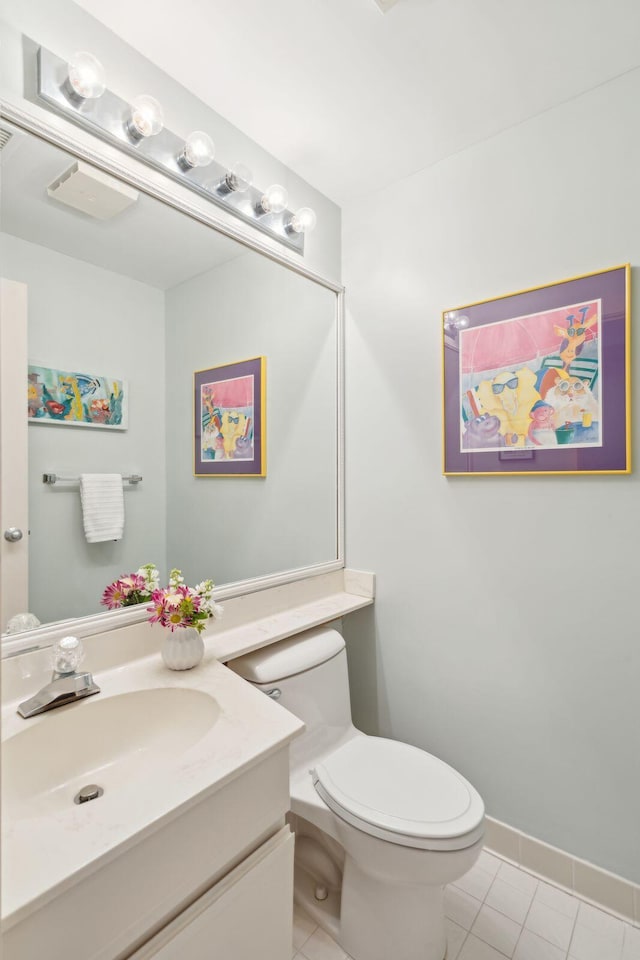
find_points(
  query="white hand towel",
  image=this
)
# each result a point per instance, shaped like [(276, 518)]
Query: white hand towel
[(102, 506)]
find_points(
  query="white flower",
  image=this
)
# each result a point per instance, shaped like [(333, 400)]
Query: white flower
[(217, 610), (204, 589), (151, 576), (173, 599)]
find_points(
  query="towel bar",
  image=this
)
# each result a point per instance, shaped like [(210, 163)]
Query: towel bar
[(54, 478)]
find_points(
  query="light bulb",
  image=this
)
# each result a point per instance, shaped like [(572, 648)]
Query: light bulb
[(274, 199), (454, 322), (147, 118), (86, 78), (303, 220), (199, 150), (238, 179)]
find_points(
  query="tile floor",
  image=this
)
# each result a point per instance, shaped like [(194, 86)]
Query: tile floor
[(497, 911)]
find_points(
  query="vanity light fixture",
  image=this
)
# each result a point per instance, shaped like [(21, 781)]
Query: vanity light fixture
[(199, 151), (146, 118), (86, 77), (77, 91), (273, 200), (303, 220)]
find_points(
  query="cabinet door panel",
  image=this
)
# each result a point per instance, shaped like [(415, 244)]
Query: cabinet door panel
[(246, 916)]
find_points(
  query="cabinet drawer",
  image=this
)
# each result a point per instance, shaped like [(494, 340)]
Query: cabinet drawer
[(246, 915)]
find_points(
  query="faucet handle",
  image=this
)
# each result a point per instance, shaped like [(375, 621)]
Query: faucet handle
[(67, 655)]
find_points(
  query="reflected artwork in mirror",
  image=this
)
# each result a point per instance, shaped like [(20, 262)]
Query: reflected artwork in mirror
[(140, 290)]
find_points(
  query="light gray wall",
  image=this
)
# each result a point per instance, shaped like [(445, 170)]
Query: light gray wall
[(236, 528), (63, 27), (505, 632), (88, 319)]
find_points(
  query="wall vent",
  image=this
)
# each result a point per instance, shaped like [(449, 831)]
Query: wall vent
[(5, 136), (91, 191)]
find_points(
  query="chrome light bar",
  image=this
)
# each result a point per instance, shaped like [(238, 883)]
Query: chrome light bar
[(109, 117)]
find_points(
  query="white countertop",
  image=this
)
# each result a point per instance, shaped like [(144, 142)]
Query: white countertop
[(44, 855), (229, 642)]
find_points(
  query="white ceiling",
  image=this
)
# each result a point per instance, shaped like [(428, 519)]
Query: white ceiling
[(150, 242), (352, 100)]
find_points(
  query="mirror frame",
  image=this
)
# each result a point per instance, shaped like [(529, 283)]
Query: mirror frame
[(164, 189)]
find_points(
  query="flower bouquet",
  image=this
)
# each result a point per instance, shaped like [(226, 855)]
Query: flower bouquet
[(132, 588), (178, 606), (184, 611)]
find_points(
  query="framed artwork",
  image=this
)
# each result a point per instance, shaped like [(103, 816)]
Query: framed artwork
[(78, 399), (229, 420), (538, 382)]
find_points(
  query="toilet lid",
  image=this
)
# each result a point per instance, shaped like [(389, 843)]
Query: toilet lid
[(400, 793)]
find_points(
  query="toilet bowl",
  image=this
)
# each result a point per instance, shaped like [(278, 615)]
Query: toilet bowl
[(381, 826)]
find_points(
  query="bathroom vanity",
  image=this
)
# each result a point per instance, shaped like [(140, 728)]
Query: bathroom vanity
[(197, 825), (189, 836)]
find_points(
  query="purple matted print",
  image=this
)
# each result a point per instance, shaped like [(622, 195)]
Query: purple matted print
[(229, 420), (538, 381)]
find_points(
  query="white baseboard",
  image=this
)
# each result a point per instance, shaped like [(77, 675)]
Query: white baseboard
[(585, 880)]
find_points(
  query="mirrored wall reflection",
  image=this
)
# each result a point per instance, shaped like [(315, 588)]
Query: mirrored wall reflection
[(124, 287)]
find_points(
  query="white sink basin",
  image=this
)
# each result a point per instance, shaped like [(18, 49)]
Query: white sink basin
[(110, 742)]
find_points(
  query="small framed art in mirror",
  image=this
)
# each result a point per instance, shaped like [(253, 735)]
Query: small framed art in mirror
[(229, 406)]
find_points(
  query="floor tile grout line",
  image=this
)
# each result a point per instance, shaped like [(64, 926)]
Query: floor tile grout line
[(483, 903), (492, 945), (307, 938), (512, 887), (560, 914), (573, 930), (464, 939), (522, 926)]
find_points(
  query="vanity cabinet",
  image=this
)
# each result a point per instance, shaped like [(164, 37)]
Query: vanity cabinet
[(245, 916), (213, 881)]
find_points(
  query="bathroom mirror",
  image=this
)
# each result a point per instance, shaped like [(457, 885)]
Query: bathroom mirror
[(149, 296)]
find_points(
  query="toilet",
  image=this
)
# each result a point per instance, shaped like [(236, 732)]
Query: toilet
[(380, 826)]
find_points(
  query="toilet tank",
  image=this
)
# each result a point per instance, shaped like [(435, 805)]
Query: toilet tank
[(310, 670)]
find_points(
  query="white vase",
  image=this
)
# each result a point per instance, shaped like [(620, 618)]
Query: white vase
[(182, 649)]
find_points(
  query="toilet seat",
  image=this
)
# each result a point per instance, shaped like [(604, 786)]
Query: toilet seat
[(401, 794)]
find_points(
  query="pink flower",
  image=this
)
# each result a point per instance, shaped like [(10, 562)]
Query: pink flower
[(127, 590), (175, 620), (114, 595), (157, 611)]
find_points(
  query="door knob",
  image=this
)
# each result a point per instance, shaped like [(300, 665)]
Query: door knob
[(13, 534)]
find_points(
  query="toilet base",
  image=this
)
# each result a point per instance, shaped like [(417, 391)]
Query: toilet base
[(379, 920), (392, 909), (373, 920)]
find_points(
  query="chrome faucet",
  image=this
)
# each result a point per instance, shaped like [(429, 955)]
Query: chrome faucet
[(66, 683)]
